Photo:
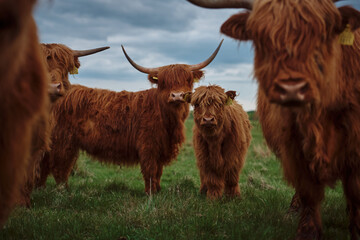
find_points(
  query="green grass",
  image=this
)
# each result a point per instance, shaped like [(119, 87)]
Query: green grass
[(108, 202)]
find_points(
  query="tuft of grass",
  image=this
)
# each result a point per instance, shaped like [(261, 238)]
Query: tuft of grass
[(261, 150)]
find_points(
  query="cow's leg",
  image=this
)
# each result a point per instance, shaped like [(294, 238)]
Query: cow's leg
[(295, 204), (149, 170), (310, 196), (203, 187), (232, 188), (351, 185), (215, 183), (40, 181), (158, 177), (62, 162)]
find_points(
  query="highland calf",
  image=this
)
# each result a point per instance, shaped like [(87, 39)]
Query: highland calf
[(125, 128), (307, 64), (23, 96), (60, 60), (221, 139)]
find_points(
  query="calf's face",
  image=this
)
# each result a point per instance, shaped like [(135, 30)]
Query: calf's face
[(210, 104)]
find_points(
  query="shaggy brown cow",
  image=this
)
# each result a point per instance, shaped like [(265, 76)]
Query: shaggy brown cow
[(23, 89), (221, 139), (60, 61), (308, 97), (126, 128)]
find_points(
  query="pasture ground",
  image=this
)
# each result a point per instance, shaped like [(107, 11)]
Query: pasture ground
[(108, 202)]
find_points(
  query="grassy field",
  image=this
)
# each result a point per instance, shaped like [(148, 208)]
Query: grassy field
[(108, 202)]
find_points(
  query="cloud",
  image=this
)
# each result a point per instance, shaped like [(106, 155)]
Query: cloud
[(154, 33)]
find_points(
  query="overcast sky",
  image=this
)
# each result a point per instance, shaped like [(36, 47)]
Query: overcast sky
[(154, 33)]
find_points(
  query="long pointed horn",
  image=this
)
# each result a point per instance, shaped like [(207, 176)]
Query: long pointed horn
[(137, 66), (81, 53), (223, 3), (207, 61)]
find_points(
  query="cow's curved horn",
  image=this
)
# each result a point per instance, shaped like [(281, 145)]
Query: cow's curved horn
[(81, 53), (137, 66), (223, 3), (207, 61)]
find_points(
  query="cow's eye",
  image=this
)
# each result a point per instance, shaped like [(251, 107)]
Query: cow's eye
[(196, 105), (320, 66)]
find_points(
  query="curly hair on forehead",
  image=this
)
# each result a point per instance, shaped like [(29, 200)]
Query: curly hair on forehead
[(210, 95), (59, 55), (302, 24)]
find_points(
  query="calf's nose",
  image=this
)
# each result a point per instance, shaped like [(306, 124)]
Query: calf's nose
[(208, 119)]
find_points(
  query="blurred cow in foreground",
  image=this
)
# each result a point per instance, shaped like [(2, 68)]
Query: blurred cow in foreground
[(23, 96), (222, 135), (307, 64), (60, 61), (126, 128)]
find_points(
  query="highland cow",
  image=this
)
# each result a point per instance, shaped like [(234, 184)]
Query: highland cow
[(23, 89), (222, 135), (126, 128), (60, 61), (307, 64)]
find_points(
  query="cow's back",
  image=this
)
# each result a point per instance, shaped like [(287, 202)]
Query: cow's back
[(106, 124)]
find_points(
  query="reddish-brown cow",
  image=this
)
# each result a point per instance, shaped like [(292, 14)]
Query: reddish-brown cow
[(23, 89), (60, 61), (222, 135), (126, 128), (308, 97)]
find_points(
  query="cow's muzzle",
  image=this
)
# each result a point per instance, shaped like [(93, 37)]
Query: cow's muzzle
[(177, 97), (208, 121), (290, 92)]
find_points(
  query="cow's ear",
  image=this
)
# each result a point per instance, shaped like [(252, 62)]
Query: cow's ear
[(349, 16), (153, 78), (197, 74), (230, 97), (77, 62), (187, 97), (235, 27)]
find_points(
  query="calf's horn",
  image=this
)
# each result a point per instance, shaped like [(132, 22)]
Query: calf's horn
[(137, 66), (81, 53), (223, 3), (207, 61)]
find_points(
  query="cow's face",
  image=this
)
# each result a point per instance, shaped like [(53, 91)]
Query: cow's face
[(297, 52), (209, 108), (175, 83), (60, 61)]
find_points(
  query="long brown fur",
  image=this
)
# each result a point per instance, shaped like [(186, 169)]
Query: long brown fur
[(221, 147), (23, 89), (58, 60), (317, 143), (124, 128)]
